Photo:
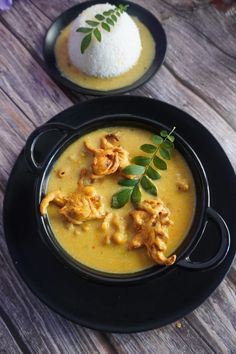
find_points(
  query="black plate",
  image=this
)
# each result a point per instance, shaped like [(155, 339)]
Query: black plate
[(120, 308), (69, 15)]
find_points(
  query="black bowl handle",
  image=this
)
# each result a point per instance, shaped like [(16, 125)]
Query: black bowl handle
[(33, 138), (222, 251)]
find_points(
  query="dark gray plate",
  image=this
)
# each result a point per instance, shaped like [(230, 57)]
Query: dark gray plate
[(69, 15), (121, 307)]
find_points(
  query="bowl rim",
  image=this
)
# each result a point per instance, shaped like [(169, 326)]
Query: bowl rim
[(198, 222)]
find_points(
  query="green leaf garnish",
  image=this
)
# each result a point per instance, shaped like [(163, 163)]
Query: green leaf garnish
[(171, 138), (128, 182), (157, 139), (150, 149), (105, 26), (85, 42), (159, 163), (105, 20), (92, 23), (133, 170), (99, 17), (153, 174), (108, 13), (84, 30), (97, 34), (144, 171), (110, 21), (168, 145), (121, 198), (136, 196), (165, 153), (141, 160), (148, 185), (164, 133)]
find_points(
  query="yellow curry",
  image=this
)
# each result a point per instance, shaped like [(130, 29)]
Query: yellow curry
[(108, 239)]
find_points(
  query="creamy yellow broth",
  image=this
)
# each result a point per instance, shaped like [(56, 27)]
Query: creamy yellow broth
[(73, 74), (85, 243)]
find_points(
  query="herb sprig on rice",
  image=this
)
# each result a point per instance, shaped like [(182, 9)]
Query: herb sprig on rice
[(105, 20)]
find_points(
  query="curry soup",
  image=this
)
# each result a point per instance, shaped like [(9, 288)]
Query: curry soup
[(105, 84), (85, 242)]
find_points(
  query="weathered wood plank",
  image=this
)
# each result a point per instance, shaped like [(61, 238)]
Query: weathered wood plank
[(213, 24), (169, 339), (216, 319), (204, 70), (213, 322), (14, 127), (209, 329), (7, 341), (31, 22), (26, 82)]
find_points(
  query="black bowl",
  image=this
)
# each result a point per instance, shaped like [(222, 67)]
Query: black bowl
[(150, 21), (202, 214)]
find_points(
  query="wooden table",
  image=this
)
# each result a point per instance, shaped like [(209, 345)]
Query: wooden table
[(199, 76)]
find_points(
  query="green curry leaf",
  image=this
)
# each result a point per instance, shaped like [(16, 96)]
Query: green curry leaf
[(133, 170), (121, 198)]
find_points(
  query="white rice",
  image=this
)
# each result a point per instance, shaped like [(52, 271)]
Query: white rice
[(118, 51)]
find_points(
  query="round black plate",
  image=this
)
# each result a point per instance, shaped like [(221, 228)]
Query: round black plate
[(120, 308), (69, 15)]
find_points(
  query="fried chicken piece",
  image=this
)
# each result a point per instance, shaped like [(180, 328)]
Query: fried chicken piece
[(109, 158), (77, 207), (114, 229), (151, 220)]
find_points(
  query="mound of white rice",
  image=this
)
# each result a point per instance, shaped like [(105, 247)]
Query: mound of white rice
[(118, 50)]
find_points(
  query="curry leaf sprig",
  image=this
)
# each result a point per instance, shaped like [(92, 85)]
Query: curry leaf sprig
[(145, 169), (104, 20)]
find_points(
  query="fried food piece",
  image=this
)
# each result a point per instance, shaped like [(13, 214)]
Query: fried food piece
[(114, 229), (109, 158), (151, 221), (77, 207), (55, 196), (182, 183)]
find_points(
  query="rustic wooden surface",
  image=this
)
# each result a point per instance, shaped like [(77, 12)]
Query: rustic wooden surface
[(199, 76)]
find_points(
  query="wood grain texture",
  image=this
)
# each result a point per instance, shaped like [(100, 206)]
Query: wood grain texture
[(199, 76), (7, 341), (26, 82)]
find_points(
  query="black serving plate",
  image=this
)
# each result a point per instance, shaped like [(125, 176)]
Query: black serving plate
[(119, 307), (150, 21)]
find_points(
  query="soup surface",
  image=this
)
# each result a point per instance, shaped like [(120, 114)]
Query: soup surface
[(85, 242), (105, 84)]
